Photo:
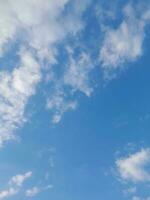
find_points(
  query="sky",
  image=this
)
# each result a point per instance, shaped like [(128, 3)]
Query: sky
[(74, 100)]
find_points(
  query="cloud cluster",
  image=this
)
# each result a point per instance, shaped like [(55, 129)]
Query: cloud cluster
[(15, 89), (37, 28), (124, 43), (8, 193), (35, 32), (15, 184)]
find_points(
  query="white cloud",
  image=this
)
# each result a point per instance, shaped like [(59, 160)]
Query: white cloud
[(48, 187), (133, 167), (39, 28), (136, 198), (19, 179), (8, 193), (124, 43), (39, 25), (32, 17), (76, 77), (15, 184), (36, 190), (33, 192), (59, 105), (15, 89), (77, 74)]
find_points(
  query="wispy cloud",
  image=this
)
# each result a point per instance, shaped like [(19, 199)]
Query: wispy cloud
[(77, 73), (59, 104), (33, 192), (15, 184), (15, 89), (36, 190), (140, 198), (37, 28)]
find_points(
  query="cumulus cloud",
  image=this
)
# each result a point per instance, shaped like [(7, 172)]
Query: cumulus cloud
[(31, 17), (124, 43), (133, 167), (39, 25)]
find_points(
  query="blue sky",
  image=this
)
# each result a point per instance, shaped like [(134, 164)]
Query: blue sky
[(74, 100)]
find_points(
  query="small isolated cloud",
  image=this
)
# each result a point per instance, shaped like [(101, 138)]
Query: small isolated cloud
[(36, 190), (133, 168), (19, 179), (77, 73), (124, 43), (8, 193), (59, 104), (33, 192)]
